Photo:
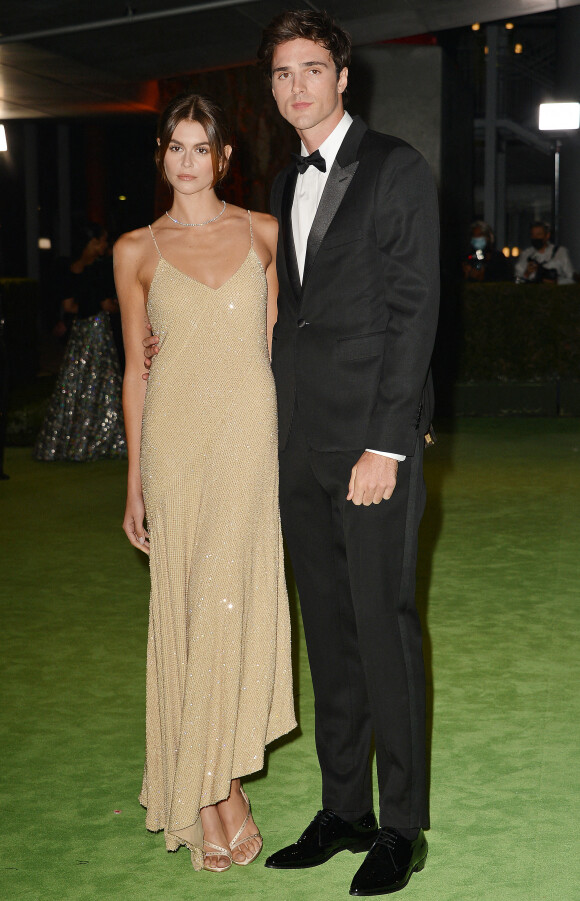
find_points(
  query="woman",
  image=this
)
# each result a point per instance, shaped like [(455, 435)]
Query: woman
[(203, 470), (484, 263), (84, 419)]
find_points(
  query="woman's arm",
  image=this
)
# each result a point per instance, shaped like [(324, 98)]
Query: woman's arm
[(131, 294)]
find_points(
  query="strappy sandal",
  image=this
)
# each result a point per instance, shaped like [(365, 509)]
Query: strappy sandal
[(217, 851), (237, 841)]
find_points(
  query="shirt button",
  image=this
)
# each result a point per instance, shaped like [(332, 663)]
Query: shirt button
[(301, 323)]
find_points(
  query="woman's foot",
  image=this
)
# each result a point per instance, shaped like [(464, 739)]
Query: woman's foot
[(242, 834), (217, 857)]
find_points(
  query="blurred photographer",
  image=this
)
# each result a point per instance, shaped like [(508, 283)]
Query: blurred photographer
[(484, 263), (543, 262)]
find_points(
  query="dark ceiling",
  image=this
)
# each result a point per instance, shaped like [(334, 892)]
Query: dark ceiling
[(79, 57)]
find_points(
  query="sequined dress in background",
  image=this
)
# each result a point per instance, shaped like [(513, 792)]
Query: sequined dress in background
[(219, 682), (84, 420)]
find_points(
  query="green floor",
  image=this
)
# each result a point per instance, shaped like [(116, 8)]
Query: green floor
[(498, 585)]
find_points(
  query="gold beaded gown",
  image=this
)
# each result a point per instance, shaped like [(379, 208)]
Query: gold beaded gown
[(219, 682)]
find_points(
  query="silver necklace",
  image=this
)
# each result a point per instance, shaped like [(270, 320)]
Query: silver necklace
[(197, 224)]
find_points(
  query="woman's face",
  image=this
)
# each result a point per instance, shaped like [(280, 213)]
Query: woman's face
[(188, 163), (96, 247)]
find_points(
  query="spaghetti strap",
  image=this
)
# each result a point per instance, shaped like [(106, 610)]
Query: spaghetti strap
[(155, 242), (251, 230)]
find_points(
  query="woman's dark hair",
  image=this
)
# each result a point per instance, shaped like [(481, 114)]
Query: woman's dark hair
[(82, 233), (485, 229), (195, 108), (305, 23)]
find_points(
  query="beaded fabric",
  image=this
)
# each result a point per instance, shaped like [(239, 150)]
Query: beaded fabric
[(219, 682), (84, 420)]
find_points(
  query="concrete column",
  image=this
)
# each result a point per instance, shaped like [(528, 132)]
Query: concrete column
[(491, 90), (501, 192), (31, 198), (568, 36), (396, 88), (415, 93)]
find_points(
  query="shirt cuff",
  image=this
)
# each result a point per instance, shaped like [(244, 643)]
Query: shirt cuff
[(398, 457)]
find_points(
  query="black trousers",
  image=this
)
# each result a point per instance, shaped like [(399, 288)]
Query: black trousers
[(355, 573)]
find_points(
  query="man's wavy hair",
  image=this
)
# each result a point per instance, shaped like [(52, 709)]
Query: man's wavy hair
[(313, 26)]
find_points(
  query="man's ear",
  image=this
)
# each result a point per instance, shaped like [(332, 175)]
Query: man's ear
[(342, 80)]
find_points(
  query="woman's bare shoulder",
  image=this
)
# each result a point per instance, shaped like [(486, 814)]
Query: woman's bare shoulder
[(265, 225), (260, 219), (264, 219), (133, 245), (132, 241)]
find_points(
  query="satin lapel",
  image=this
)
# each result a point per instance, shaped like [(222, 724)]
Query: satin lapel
[(339, 178), (287, 236), (336, 185)]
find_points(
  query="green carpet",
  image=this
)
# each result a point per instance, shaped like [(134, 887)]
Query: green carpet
[(498, 586)]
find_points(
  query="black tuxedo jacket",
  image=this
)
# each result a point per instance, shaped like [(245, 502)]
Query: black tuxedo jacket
[(352, 344)]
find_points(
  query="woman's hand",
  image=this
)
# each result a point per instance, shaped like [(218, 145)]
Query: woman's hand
[(110, 305), (133, 523), (70, 305)]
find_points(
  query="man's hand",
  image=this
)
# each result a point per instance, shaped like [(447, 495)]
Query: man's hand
[(150, 351), (373, 479)]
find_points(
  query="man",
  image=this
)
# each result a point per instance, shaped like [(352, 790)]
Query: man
[(357, 311), (543, 263)]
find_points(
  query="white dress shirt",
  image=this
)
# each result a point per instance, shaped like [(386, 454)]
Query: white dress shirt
[(309, 188), (307, 194)]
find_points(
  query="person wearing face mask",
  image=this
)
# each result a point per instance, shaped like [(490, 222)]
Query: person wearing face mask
[(543, 262), (484, 263)]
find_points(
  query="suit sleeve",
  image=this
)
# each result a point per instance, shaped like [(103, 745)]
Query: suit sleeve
[(407, 234)]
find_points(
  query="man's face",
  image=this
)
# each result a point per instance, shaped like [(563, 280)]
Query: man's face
[(539, 237), (305, 86)]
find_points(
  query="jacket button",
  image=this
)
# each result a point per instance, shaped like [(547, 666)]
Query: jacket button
[(301, 323)]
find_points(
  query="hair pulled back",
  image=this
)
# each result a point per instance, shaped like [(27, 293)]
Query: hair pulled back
[(193, 107)]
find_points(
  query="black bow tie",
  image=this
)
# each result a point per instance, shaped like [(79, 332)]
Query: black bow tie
[(315, 159)]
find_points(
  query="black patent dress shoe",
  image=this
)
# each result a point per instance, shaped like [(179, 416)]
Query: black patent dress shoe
[(390, 863), (326, 836)]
